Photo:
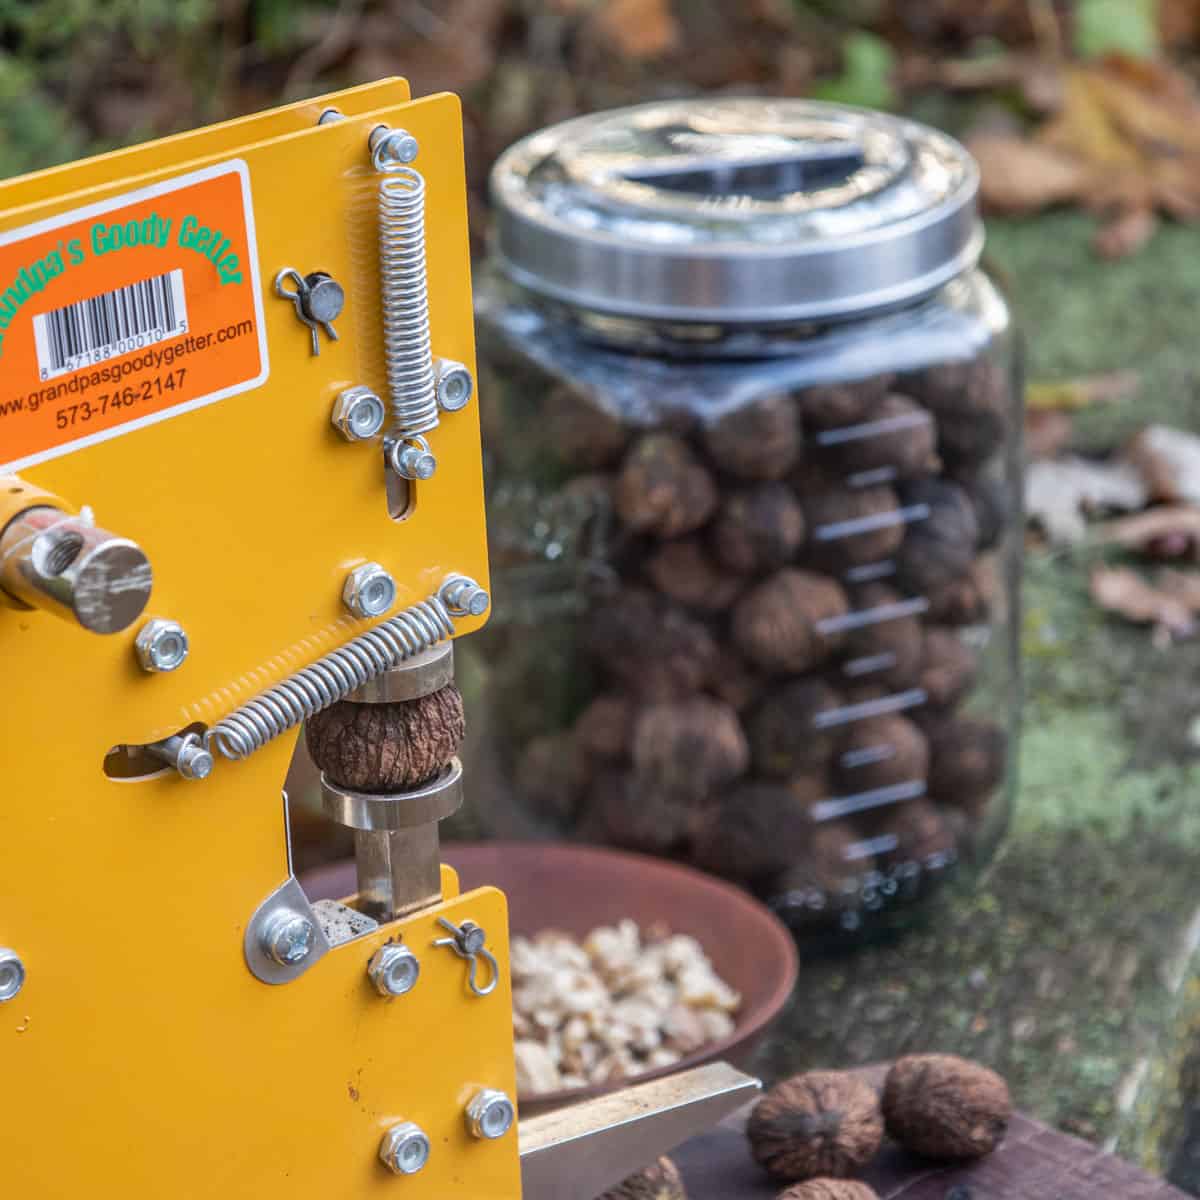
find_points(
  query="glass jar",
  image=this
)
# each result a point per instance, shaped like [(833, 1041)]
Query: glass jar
[(753, 458)]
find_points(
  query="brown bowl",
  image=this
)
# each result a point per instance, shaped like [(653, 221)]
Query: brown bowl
[(575, 888)]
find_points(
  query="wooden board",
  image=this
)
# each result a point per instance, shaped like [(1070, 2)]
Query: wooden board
[(1034, 1163)]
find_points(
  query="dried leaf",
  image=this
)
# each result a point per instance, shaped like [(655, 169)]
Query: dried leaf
[(1171, 532), (1059, 494), (640, 29), (1024, 177), (1125, 234), (1125, 592), (1169, 462), (1080, 393), (1183, 586)]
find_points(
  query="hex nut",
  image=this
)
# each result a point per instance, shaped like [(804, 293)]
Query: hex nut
[(161, 646), (394, 970), (287, 938), (358, 414), (405, 1149), (455, 385), (490, 1114), (12, 974), (369, 590), (466, 598)]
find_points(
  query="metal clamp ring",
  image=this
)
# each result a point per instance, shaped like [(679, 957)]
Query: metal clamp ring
[(468, 942)]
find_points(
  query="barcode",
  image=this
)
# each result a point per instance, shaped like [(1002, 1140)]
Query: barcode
[(116, 323)]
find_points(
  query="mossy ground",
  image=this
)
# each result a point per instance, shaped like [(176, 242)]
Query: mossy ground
[(1071, 965)]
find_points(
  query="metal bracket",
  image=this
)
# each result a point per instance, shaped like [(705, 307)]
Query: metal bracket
[(289, 899)]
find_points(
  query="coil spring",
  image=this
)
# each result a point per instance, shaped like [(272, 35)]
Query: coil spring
[(334, 677), (411, 382)]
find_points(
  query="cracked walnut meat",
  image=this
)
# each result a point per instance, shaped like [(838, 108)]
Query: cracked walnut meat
[(618, 1003)]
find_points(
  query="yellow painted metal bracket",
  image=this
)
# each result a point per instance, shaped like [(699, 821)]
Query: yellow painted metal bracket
[(142, 1058)]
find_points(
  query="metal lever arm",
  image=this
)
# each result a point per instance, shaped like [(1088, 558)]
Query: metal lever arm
[(575, 1153)]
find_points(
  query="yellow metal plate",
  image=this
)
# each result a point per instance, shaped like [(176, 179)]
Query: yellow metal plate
[(142, 1058)]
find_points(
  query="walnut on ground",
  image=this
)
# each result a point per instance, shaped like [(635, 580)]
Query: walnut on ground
[(943, 1106), (819, 1124), (661, 1181), (829, 1189), (387, 747)]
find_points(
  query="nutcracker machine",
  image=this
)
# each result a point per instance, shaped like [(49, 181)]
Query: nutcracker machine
[(240, 483)]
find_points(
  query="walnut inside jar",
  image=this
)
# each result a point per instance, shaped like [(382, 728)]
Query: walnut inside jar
[(662, 487), (760, 440), (788, 623)]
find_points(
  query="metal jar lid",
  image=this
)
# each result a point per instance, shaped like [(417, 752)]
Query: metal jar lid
[(736, 211)]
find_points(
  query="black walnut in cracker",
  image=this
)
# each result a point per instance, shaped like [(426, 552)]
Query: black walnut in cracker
[(687, 749), (898, 436), (649, 646), (551, 777), (850, 527), (942, 1106), (761, 440), (972, 403), (819, 1124), (829, 1189), (580, 431), (755, 829), (940, 546), (879, 752), (619, 811), (604, 729), (967, 757), (788, 623), (662, 1181), (833, 406), (662, 489), (387, 747), (786, 737), (887, 647), (683, 571), (759, 529), (949, 667)]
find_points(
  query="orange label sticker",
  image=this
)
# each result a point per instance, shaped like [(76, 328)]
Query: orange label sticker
[(128, 312)]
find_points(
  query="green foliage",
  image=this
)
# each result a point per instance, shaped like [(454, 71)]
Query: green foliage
[(866, 78), (1123, 26)]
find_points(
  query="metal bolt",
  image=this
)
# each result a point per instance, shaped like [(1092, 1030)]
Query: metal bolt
[(358, 414), (411, 460), (455, 385), (369, 591), (490, 1114), (465, 597), (394, 970), (12, 974), (391, 148), (161, 645), (186, 753), (287, 937), (404, 1149), (326, 298)]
